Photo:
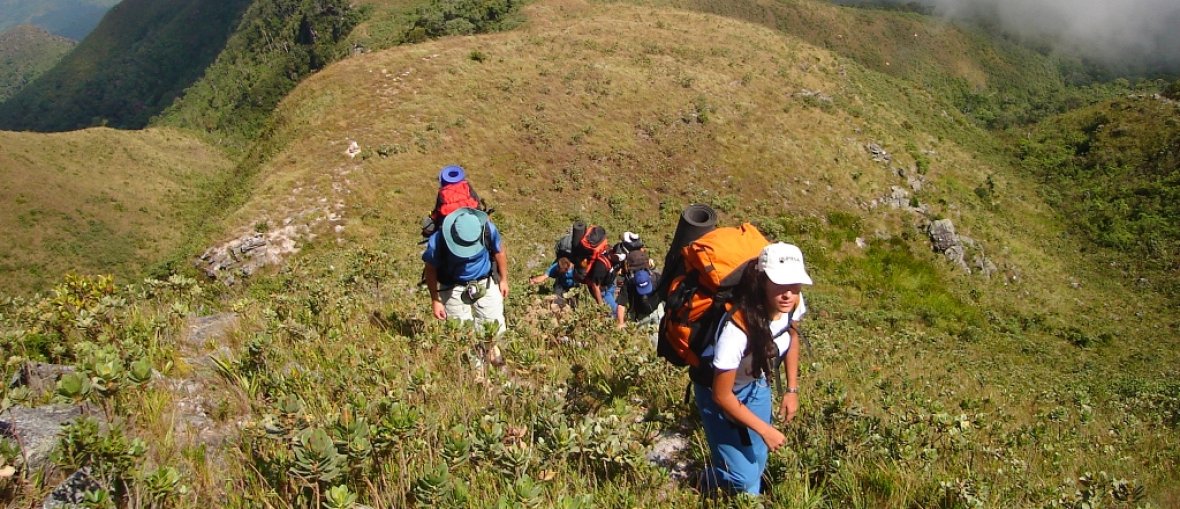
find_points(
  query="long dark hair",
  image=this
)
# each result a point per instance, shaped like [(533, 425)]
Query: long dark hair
[(750, 299)]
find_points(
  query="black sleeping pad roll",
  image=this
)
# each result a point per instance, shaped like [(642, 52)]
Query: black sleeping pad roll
[(696, 220)]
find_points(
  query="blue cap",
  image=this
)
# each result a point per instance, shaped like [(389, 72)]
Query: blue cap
[(451, 174), (643, 284)]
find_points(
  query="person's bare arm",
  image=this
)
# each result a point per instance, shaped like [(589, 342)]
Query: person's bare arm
[(790, 403), (436, 303), (502, 266)]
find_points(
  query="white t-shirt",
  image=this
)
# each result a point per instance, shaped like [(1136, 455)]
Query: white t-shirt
[(730, 351)]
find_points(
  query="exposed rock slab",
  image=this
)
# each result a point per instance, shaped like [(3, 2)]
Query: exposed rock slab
[(36, 429), (201, 330)]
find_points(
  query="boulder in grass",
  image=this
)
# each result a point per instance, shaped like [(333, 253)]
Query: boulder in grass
[(36, 429)]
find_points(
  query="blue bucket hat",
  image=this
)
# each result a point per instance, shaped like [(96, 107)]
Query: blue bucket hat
[(462, 231), (643, 284), (451, 174)]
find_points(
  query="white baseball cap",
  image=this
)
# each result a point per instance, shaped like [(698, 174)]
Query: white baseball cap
[(783, 264)]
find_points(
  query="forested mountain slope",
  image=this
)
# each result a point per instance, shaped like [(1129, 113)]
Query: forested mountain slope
[(26, 52)]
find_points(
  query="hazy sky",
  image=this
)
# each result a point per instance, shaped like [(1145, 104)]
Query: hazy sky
[(1113, 31)]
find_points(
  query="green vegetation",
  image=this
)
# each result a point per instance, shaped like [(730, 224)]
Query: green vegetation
[(1048, 383), (100, 201), (130, 68), (1113, 170), (234, 100), (25, 53), (278, 43)]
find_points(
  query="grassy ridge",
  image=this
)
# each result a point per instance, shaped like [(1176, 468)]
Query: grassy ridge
[(98, 201), (25, 53), (997, 82), (930, 388), (924, 387)]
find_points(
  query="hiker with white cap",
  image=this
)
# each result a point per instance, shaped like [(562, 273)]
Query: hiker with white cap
[(628, 242), (467, 271), (761, 329)]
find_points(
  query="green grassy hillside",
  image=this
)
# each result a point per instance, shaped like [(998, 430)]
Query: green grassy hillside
[(25, 53), (73, 19), (925, 386), (134, 64), (995, 81), (235, 98), (1049, 383), (1113, 170), (99, 201)]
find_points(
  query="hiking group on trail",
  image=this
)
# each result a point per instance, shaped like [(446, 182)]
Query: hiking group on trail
[(727, 306)]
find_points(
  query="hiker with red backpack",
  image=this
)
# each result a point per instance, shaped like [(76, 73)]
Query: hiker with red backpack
[(759, 329), (466, 272), (454, 193), (593, 265)]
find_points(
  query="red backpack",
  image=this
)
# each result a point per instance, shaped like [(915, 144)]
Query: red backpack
[(590, 249), (452, 197)]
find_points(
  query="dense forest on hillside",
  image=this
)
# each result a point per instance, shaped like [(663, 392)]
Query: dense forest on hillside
[(131, 67), (26, 52)]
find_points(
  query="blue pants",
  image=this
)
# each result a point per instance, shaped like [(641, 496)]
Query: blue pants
[(608, 296), (738, 453)]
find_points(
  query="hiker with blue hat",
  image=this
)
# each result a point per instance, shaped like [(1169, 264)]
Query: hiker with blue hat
[(467, 271), (637, 298), (454, 193)]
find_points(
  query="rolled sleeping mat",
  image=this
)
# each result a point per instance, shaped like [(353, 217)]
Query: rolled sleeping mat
[(696, 220), (577, 231)]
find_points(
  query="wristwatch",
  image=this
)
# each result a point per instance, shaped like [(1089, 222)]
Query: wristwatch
[(792, 390)]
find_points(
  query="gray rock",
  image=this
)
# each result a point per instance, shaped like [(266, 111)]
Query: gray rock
[(668, 452), (957, 256), (39, 377), (200, 330), (879, 154), (898, 198), (942, 235), (69, 493), (36, 429), (985, 266)]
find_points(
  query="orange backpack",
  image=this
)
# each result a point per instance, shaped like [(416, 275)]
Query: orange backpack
[(698, 300)]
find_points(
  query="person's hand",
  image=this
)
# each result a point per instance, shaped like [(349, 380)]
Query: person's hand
[(536, 280), (504, 288), (790, 406), (440, 311), (620, 325), (773, 438)]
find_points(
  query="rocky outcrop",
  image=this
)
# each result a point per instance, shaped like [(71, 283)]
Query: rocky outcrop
[(879, 154), (39, 377), (35, 430), (69, 494)]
